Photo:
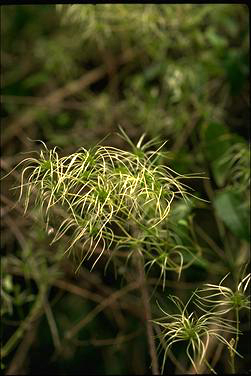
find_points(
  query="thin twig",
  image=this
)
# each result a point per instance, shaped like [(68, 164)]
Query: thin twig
[(25, 119), (21, 353), (52, 323), (76, 290), (148, 316), (25, 325), (15, 230), (99, 308), (118, 340)]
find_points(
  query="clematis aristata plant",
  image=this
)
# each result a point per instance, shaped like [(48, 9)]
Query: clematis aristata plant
[(111, 199)]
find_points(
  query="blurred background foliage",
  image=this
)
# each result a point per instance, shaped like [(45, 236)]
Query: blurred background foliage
[(69, 76)]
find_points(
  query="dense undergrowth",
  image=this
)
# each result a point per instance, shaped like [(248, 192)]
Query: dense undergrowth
[(132, 246)]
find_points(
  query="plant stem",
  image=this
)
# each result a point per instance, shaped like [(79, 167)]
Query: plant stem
[(237, 328), (235, 344), (148, 315), (232, 353), (232, 360), (7, 348)]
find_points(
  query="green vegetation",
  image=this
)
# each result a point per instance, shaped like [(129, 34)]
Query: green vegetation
[(125, 189)]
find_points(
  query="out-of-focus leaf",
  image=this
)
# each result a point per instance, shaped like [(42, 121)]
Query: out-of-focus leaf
[(231, 209), (215, 39), (216, 141), (35, 79), (236, 65)]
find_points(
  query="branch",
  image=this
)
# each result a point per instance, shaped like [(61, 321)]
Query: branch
[(59, 95), (148, 316)]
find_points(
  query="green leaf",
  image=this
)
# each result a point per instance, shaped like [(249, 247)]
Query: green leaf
[(35, 80), (233, 212), (215, 39), (216, 142)]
